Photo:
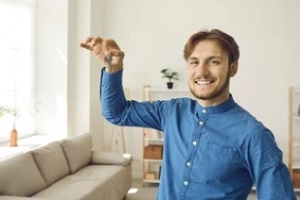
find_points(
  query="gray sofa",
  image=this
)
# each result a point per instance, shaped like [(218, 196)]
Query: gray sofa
[(66, 170)]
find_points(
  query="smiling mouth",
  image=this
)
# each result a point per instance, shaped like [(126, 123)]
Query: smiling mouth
[(204, 82)]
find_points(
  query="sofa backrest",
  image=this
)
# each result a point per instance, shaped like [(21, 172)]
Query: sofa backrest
[(19, 176), (51, 161), (78, 151)]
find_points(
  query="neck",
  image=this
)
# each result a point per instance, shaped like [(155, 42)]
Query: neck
[(215, 101)]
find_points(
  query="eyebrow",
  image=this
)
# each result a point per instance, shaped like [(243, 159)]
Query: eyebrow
[(212, 57), (209, 58), (192, 58)]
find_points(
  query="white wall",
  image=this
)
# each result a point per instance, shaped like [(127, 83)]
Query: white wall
[(67, 75), (52, 66), (152, 34)]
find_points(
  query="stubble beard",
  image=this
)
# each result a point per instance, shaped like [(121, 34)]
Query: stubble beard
[(214, 94)]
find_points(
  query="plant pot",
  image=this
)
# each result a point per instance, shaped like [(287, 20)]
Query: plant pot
[(169, 85)]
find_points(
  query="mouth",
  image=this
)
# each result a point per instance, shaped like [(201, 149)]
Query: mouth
[(204, 82)]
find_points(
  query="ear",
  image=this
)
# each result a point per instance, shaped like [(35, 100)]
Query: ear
[(233, 68)]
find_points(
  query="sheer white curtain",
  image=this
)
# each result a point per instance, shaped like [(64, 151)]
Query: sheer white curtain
[(17, 22)]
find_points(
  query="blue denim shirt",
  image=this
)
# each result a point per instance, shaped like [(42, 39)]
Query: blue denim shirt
[(209, 152)]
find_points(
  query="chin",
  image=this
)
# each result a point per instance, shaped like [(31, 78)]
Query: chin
[(201, 95), (204, 97)]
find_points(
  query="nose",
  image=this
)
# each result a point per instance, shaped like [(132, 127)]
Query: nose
[(201, 69)]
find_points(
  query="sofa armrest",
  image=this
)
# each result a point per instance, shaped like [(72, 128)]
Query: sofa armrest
[(110, 158)]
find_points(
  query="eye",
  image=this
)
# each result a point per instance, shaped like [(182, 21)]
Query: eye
[(193, 63), (214, 62)]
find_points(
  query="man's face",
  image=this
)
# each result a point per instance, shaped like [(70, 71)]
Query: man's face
[(209, 73)]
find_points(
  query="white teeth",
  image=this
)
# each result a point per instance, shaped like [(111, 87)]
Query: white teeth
[(205, 82)]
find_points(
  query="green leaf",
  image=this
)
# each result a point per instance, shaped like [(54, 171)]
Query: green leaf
[(170, 74)]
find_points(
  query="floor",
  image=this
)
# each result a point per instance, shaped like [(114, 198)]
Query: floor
[(142, 193), (149, 192)]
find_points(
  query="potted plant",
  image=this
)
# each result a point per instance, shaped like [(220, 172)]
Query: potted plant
[(170, 75), (14, 133), (13, 112)]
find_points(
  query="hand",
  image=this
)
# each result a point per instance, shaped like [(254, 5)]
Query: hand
[(101, 48)]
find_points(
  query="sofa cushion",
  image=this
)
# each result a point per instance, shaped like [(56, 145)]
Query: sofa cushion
[(78, 151), (110, 158), (51, 162), (119, 177), (20, 176), (70, 188)]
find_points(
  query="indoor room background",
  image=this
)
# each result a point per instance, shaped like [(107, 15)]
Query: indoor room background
[(152, 33)]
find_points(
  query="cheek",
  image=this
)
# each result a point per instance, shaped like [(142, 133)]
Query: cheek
[(190, 72), (189, 75), (222, 73)]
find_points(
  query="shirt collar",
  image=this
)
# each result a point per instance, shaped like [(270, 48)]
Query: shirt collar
[(223, 107)]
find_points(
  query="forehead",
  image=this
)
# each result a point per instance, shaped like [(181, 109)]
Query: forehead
[(208, 48)]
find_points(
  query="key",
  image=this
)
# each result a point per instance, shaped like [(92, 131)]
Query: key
[(108, 60)]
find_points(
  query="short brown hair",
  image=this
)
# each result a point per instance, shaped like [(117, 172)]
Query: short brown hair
[(226, 41)]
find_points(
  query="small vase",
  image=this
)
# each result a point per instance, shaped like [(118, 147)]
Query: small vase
[(14, 138), (170, 85)]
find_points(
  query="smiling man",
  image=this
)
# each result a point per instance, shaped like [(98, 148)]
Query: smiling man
[(213, 148)]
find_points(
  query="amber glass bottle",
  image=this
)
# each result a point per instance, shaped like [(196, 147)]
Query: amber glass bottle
[(14, 138)]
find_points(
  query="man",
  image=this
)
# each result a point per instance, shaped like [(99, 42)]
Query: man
[(213, 148)]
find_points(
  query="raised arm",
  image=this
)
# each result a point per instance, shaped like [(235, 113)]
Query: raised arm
[(115, 108)]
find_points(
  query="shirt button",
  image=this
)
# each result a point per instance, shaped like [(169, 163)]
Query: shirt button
[(188, 164), (201, 123), (194, 143), (204, 111), (185, 182)]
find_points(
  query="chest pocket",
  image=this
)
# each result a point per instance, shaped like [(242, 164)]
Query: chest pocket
[(212, 163)]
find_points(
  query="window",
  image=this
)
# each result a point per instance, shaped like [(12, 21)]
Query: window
[(17, 21)]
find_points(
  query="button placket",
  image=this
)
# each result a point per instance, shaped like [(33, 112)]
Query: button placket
[(194, 143), (186, 179)]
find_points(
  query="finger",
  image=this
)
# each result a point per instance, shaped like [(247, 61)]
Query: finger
[(117, 53), (109, 45), (105, 47), (89, 39), (91, 42), (85, 45), (96, 41), (112, 44)]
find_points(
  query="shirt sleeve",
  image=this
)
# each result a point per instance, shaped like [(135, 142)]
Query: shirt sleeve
[(112, 97), (117, 110), (270, 174)]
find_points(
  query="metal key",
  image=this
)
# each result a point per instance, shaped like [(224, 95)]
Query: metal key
[(108, 60)]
